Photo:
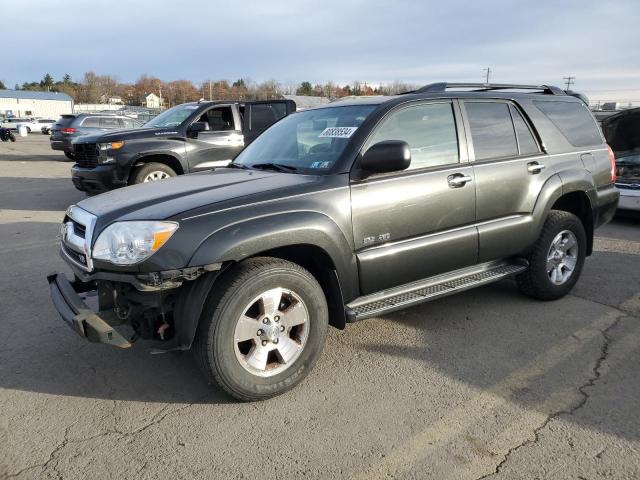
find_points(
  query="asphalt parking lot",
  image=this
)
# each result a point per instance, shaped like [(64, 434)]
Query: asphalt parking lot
[(485, 384)]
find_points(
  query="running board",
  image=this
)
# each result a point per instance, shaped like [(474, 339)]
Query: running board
[(428, 289)]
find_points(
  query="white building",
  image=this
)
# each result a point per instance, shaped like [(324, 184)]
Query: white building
[(24, 103), (152, 101)]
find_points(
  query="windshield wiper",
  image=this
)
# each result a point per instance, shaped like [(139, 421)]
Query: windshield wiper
[(278, 167), (237, 165)]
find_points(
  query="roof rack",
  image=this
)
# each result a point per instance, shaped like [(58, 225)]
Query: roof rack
[(484, 87)]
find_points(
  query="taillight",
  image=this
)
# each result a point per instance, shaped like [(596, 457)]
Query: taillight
[(612, 157), (68, 130)]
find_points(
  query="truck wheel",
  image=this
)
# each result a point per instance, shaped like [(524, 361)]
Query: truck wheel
[(152, 172), (262, 328), (557, 258), (69, 155)]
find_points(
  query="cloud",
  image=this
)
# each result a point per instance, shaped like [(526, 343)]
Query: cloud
[(375, 41)]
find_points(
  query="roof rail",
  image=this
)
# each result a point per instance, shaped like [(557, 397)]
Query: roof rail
[(484, 87)]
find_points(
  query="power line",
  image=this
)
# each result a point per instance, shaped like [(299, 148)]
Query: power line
[(569, 81)]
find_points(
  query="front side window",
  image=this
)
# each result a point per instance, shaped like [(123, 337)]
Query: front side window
[(430, 131), (218, 119), (491, 130), (310, 141)]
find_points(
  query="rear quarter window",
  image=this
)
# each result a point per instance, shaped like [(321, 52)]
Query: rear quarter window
[(574, 121)]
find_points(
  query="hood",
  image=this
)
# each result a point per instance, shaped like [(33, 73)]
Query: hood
[(128, 134), (208, 191), (622, 132)]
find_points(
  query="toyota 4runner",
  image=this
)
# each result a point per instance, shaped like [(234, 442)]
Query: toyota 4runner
[(339, 214)]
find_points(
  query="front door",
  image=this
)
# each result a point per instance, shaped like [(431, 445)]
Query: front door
[(221, 141), (258, 116), (510, 171), (417, 223)]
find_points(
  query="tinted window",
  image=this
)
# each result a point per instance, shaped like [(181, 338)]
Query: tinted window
[(430, 131), (91, 122), (527, 143), (574, 120), (491, 130), (111, 123), (263, 115)]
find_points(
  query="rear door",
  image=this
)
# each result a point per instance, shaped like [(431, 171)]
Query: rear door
[(416, 223), (219, 143), (258, 116), (510, 170)]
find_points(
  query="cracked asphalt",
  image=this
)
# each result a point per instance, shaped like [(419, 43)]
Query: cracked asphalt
[(485, 384)]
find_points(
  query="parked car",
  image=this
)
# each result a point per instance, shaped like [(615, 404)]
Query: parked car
[(70, 127), (622, 132), (186, 138), (36, 124), (12, 123), (338, 214)]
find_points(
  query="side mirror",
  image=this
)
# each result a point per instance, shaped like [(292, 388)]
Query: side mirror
[(387, 156), (195, 128)]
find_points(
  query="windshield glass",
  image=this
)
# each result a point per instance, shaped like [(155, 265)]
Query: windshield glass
[(172, 117), (312, 140)]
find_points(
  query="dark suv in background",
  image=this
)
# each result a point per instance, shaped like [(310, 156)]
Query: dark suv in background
[(69, 127)]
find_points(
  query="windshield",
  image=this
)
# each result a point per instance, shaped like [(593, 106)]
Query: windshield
[(312, 140), (172, 117)]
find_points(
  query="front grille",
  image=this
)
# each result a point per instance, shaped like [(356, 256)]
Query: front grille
[(80, 258), (86, 154)]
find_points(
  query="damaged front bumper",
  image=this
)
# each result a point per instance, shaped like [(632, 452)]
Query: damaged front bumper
[(79, 316)]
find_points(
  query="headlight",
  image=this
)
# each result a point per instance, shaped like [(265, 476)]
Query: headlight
[(126, 243), (111, 145)]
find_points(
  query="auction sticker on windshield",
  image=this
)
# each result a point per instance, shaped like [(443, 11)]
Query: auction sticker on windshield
[(337, 132)]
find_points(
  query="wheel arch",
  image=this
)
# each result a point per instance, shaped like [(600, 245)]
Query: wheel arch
[(578, 203), (165, 158)]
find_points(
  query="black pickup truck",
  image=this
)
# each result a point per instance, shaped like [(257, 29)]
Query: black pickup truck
[(184, 139)]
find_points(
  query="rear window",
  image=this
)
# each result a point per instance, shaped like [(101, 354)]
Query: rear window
[(526, 142), (491, 130), (574, 120)]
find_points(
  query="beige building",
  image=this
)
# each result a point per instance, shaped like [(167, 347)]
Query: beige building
[(152, 101), (24, 103)]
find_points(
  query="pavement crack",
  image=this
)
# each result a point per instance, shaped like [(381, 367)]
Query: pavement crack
[(582, 389)]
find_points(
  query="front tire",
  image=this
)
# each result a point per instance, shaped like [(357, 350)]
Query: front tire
[(557, 258), (262, 329), (152, 172)]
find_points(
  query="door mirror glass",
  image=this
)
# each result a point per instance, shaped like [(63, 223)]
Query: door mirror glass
[(195, 128), (387, 156)]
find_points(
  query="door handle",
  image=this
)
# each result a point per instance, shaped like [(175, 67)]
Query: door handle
[(535, 167), (458, 180)]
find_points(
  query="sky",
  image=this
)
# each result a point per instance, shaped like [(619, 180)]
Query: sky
[(371, 41)]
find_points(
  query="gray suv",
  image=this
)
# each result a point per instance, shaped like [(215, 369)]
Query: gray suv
[(70, 127), (338, 214)]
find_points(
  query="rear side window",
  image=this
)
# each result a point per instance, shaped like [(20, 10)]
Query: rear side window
[(111, 123), (430, 131), (91, 122), (574, 120), (264, 115), (491, 130), (526, 142)]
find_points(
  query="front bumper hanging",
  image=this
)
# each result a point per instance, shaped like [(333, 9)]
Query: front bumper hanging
[(79, 316)]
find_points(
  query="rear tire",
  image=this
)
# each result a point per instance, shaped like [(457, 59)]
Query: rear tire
[(151, 172), (289, 337), (557, 258), (69, 155)]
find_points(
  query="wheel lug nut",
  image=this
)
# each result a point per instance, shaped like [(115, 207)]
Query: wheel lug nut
[(265, 320), (260, 332), (282, 328), (264, 343), (275, 340), (276, 318)]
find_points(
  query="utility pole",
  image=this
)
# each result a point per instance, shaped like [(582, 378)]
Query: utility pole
[(210, 94), (487, 74), (569, 81)]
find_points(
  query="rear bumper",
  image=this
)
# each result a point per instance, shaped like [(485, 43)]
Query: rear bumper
[(78, 316), (97, 180), (607, 203), (629, 199), (56, 144)]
